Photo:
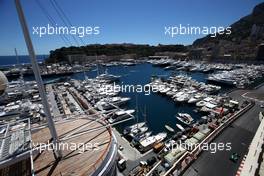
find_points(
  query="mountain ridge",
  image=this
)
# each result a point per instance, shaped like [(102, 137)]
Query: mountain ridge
[(245, 41)]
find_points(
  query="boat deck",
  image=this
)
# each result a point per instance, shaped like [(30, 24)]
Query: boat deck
[(75, 161)]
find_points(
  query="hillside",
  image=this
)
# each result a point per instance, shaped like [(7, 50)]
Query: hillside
[(244, 41), (112, 50)]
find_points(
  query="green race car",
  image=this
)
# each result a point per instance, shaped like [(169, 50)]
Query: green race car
[(234, 157)]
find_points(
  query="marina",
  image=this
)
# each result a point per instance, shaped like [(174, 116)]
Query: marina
[(194, 106), (99, 104), (180, 94)]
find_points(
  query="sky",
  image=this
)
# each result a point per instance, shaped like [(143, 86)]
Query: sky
[(120, 21)]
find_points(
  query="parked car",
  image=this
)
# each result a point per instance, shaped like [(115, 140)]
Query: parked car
[(121, 164)]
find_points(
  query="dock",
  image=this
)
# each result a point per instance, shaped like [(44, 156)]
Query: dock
[(129, 152)]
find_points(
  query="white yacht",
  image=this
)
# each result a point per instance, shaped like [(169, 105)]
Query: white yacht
[(178, 94), (121, 115), (185, 118), (108, 77), (165, 90), (149, 141), (138, 131), (180, 127), (201, 103), (111, 102), (183, 98), (170, 129), (140, 137), (193, 100), (132, 127)]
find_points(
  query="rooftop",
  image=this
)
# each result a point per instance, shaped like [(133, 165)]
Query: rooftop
[(78, 159)]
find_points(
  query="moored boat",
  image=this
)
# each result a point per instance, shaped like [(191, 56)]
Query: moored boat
[(121, 115), (137, 131), (134, 126), (140, 137), (147, 143), (185, 118), (170, 129), (180, 127)]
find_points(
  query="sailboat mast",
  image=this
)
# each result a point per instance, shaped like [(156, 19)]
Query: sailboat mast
[(137, 110), (97, 64), (38, 78), (145, 114), (20, 67)]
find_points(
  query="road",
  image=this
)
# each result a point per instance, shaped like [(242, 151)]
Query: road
[(240, 134)]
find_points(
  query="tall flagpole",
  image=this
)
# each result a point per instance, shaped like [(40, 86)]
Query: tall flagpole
[(38, 78)]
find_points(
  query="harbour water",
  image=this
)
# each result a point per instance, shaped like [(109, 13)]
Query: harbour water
[(11, 60), (156, 116), (160, 110)]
